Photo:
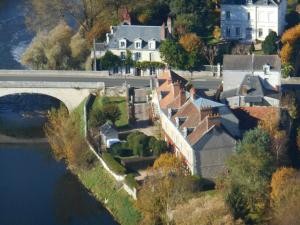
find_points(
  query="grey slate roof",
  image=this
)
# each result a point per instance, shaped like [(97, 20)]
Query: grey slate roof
[(108, 131), (133, 32), (254, 2), (255, 90), (100, 46), (244, 62)]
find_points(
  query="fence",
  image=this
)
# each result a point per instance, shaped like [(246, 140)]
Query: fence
[(119, 178)]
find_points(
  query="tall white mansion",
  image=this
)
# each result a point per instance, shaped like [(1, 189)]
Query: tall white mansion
[(250, 20)]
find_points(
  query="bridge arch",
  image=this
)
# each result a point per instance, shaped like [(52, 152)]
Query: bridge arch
[(70, 97)]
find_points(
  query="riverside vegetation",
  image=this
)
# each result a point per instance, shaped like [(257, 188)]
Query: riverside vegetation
[(65, 134)]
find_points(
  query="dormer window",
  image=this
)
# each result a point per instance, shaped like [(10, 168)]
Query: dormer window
[(122, 43), (266, 69), (138, 43), (152, 44)]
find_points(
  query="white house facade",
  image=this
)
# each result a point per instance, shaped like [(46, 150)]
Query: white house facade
[(142, 41), (251, 20)]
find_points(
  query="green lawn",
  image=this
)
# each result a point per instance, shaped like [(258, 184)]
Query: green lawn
[(121, 102), (104, 187)]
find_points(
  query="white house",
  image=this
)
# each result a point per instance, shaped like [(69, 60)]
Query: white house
[(251, 80), (142, 41), (251, 20)]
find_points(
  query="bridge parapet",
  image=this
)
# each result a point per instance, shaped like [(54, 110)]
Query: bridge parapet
[(49, 84)]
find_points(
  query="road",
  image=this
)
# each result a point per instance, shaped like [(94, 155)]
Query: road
[(205, 83)]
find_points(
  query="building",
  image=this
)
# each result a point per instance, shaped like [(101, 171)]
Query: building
[(202, 131), (109, 135), (251, 20), (251, 80), (142, 41)]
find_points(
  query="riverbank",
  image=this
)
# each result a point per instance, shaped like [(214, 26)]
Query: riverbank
[(106, 190), (4, 139)]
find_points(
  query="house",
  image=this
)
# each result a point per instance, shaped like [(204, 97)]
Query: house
[(251, 20), (251, 80), (142, 41), (201, 130), (109, 135)]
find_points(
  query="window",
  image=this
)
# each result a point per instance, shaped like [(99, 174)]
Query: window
[(249, 33), (152, 70), (137, 55), (152, 45), (138, 44), (260, 32), (123, 55), (227, 31), (227, 15), (249, 16), (237, 31), (122, 43)]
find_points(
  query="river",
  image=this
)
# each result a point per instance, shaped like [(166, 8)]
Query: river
[(34, 188)]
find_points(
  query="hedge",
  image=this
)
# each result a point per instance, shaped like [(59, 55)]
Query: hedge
[(113, 164), (130, 181)]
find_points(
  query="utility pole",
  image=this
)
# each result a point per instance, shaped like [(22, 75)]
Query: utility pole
[(94, 50)]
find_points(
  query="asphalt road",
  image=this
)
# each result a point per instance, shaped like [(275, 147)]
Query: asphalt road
[(207, 83)]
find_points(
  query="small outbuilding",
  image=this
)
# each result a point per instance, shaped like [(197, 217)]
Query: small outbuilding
[(109, 134)]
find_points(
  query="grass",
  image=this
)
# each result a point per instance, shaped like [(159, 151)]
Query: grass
[(79, 112), (105, 188), (121, 102)]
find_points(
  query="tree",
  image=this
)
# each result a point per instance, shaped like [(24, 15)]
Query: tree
[(44, 15), (109, 60), (112, 112), (278, 138), (269, 45), (204, 210), (289, 102), (247, 182), (288, 70), (161, 192), (168, 163), (59, 49), (285, 197), (96, 118), (173, 54), (210, 52), (139, 143), (63, 133), (191, 42), (292, 19), (217, 33)]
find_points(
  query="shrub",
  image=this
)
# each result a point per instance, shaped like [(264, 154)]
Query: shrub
[(112, 112), (157, 146), (113, 164), (96, 118), (139, 143), (120, 149), (130, 181), (269, 45), (288, 70)]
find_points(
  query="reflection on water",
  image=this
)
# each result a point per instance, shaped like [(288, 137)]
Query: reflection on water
[(24, 115), (35, 189)]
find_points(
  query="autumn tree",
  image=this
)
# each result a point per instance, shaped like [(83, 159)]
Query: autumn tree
[(269, 45), (58, 49), (63, 133), (278, 137), (191, 42), (204, 210), (162, 191), (285, 197)]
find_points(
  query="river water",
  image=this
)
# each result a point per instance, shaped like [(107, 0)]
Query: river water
[(34, 188)]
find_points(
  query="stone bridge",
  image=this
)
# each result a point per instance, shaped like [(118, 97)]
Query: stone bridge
[(70, 88)]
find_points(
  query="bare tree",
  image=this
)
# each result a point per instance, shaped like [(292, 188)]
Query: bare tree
[(210, 53)]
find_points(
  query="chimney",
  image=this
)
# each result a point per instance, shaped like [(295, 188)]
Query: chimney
[(163, 31), (111, 29), (126, 16), (193, 93), (213, 120), (185, 132), (205, 112), (107, 38), (169, 25), (177, 122)]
